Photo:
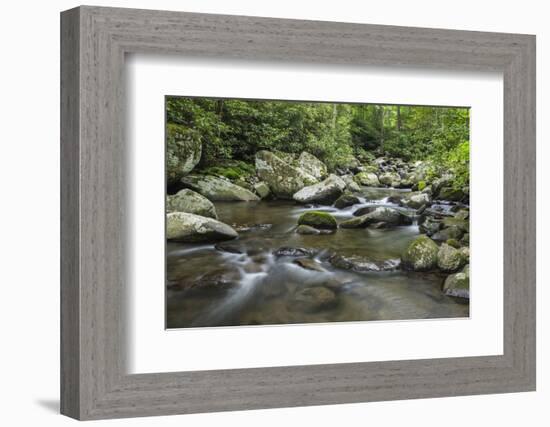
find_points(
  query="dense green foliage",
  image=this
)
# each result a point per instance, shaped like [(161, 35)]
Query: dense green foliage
[(237, 129)]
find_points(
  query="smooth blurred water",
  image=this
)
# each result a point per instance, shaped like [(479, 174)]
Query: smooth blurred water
[(256, 287)]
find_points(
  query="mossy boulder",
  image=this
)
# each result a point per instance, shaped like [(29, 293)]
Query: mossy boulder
[(454, 243), (191, 228), (283, 178), (368, 179), (420, 255), (458, 284), (183, 151), (319, 220), (449, 259), (312, 165), (218, 189), (191, 202), (325, 192)]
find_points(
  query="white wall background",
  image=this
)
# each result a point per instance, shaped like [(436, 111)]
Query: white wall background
[(29, 237)]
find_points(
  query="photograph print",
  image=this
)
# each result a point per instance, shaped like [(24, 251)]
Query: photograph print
[(297, 212)]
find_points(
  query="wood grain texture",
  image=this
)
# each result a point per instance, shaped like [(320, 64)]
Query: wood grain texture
[(95, 383)]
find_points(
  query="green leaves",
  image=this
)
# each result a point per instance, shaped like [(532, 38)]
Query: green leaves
[(335, 133)]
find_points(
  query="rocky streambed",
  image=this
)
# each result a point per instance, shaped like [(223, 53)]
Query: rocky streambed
[(323, 248)]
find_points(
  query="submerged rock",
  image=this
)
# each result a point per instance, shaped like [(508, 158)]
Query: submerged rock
[(312, 165), (218, 189), (283, 178), (325, 192), (308, 264), (306, 229), (313, 299), (191, 228), (364, 210), (458, 284), (420, 255), (191, 202), (449, 259), (367, 179), (346, 200), (319, 220)]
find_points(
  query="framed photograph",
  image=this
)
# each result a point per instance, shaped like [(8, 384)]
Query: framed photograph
[(262, 213)]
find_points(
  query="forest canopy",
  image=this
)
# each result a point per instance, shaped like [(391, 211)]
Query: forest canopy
[(234, 129)]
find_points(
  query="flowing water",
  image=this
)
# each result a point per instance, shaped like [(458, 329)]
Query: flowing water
[(245, 283)]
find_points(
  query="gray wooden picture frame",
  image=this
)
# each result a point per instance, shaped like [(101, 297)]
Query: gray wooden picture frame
[(94, 382)]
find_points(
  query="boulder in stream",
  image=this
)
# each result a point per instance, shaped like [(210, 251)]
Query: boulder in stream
[(283, 178), (458, 284), (262, 189), (420, 255), (312, 165), (191, 228), (325, 192), (191, 202), (367, 179), (183, 151), (319, 220), (390, 216), (306, 229), (415, 200), (346, 200), (362, 264), (390, 179), (449, 259), (351, 185), (218, 189)]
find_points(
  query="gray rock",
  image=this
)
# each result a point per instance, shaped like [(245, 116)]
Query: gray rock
[(325, 192), (390, 179), (361, 264), (416, 200), (218, 189), (183, 151), (283, 178), (452, 232), (458, 284), (351, 185), (420, 255), (262, 189), (387, 215), (451, 194), (346, 200), (368, 179), (191, 202), (312, 165), (306, 229), (186, 227)]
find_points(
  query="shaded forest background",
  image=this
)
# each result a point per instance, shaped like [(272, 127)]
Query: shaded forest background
[(231, 129)]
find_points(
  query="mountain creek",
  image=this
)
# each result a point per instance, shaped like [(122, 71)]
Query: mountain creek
[(271, 274)]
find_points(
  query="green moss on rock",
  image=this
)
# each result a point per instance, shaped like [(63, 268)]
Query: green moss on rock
[(420, 255), (319, 220)]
